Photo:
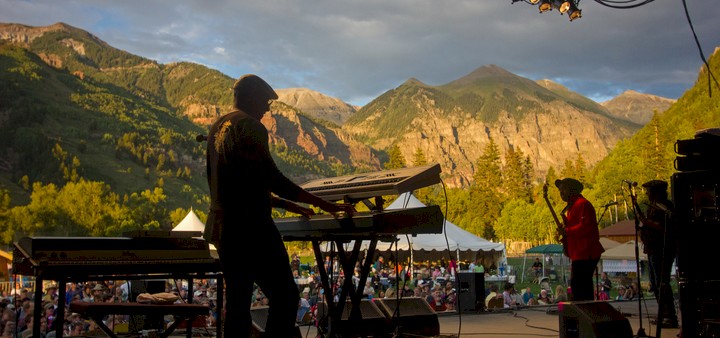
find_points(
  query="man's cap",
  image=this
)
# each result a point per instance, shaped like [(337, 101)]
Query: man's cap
[(569, 183), (98, 287), (655, 185), (252, 86)]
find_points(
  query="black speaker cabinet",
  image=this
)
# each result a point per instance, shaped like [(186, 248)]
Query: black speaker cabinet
[(592, 320), (699, 153), (700, 308), (413, 316), (697, 217), (149, 322), (372, 322), (471, 291), (259, 316)]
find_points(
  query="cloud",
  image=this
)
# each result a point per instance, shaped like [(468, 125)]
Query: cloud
[(356, 50)]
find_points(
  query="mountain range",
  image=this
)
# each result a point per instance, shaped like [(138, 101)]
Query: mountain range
[(312, 134)]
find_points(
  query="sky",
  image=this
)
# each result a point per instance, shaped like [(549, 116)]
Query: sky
[(357, 50)]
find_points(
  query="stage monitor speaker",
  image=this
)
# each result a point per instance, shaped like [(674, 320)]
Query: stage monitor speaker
[(594, 319), (471, 291), (150, 322), (414, 316), (259, 316), (372, 322)]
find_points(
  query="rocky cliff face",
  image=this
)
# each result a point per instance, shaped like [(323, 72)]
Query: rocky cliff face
[(290, 128), (316, 104), (637, 107), (559, 133), (548, 125), (450, 124)]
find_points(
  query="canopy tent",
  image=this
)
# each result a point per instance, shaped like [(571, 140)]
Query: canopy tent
[(608, 243), (547, 251), (461, 243), (192, 223), (621, 258)]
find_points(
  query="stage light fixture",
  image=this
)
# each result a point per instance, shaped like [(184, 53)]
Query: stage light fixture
[(571, 6), (563, 5), (573, 11), (545, 6)]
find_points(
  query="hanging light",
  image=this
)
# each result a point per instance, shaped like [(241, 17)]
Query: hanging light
[(573, 11), (562, 5), (545, 5)]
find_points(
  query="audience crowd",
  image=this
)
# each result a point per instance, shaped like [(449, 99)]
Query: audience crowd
[(431, 281), (18, 306)]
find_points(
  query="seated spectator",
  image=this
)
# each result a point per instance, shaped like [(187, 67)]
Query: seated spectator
[(450, 299), (630, 292), (304, 308), (509, 296), (438, 304), (560, 294), (537, 268), (621, 293), (544, 299), (492, 294), (528, 295), (369, 290)]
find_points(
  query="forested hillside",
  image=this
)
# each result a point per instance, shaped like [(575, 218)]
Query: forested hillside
[(97, 141)]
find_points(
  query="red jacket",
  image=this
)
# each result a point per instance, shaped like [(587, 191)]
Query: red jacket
[(581, 230)]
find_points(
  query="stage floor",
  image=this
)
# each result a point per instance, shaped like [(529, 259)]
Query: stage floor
[(532, 322)]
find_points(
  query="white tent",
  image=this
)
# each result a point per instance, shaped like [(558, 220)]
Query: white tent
[(453, 237), (454, 240), (608, 243), (621, 258), (190, 223)]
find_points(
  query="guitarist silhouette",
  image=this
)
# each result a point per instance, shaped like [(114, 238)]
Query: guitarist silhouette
[(581, 237)]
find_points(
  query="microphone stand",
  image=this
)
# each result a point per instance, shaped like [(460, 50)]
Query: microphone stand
[(636, 210)]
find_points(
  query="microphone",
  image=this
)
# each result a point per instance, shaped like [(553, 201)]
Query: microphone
[(609, 204), (200, 138), (629, 182)]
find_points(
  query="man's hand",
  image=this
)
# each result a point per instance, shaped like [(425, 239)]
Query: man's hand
[(299, 209), (291, 206), (340, 210)]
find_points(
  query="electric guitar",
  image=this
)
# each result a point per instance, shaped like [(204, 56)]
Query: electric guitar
[(560, 231)]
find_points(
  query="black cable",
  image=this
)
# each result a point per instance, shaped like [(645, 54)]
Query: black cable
[(702, 55), (623, 4)]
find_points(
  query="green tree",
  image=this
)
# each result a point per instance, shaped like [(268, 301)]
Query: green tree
[(657, 160), (68, 166), (485, 200), (396, 159), (522, 221), (580, 168), (515, 176), (91, 207), (419, 157), (147, 210)]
